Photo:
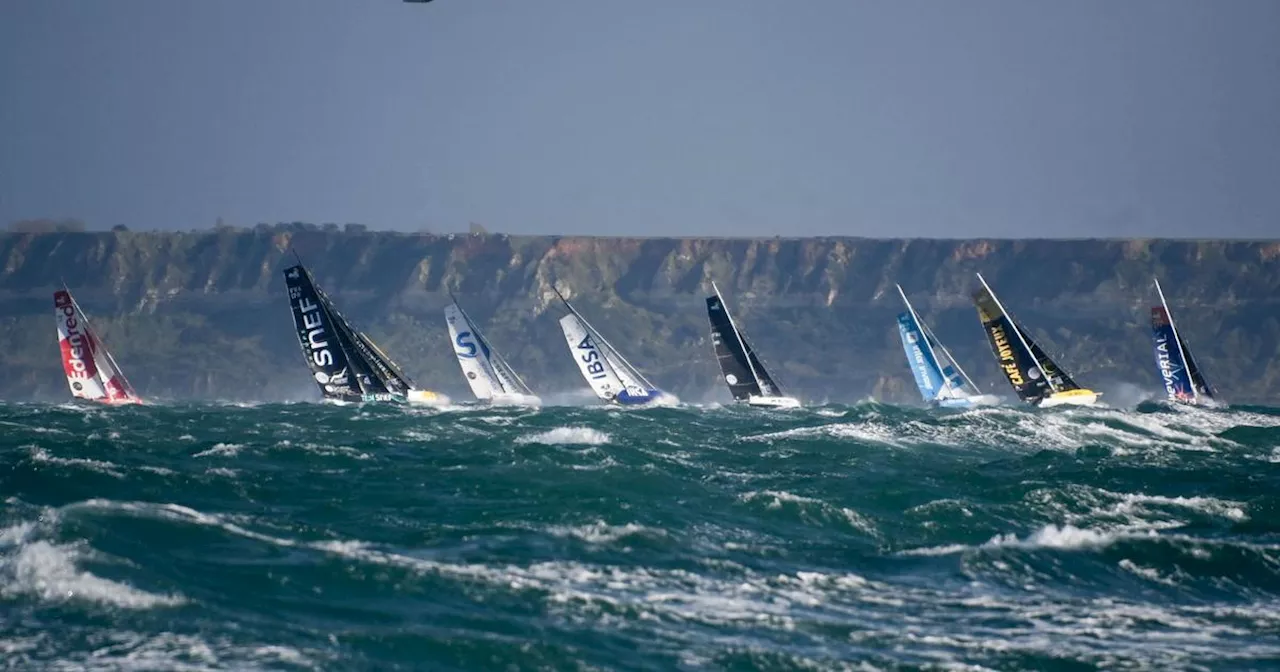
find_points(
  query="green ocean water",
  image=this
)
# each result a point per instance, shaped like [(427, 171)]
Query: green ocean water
[(311, 536)]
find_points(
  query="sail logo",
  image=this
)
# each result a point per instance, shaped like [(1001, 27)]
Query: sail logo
[(594, 362), (465, 347), (922, 365), (1004, 352), (314, 334), (1167, 372), (77, 347)]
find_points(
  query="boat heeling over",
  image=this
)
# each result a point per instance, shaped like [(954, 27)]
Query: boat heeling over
[(1034, 376), (744, 373), (346, 364), (942, 385), (490, 377), (609, 374), (92, 373), (1181, 377)]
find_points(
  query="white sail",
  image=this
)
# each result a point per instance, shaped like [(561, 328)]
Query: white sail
[(472, 354), (591, 358)]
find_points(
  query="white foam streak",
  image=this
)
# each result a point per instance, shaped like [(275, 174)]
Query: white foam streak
[(561, 436)]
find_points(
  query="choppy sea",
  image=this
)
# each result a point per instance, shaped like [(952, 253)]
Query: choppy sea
[(309, 536)]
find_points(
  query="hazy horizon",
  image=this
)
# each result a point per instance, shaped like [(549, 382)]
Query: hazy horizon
[(992, 119)]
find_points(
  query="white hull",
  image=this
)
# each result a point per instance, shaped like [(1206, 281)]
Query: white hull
[(773, 402), (972, 401), (515, 400), (1073, 398)]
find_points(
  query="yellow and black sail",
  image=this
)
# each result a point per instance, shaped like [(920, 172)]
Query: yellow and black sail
[(1033, 375)]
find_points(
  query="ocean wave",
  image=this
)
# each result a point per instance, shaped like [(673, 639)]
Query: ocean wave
[(323, 537)]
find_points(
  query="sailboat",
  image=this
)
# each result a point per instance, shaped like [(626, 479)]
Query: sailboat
[(609, 374), (346, 364), (1036, 378), (940, 384), (490, 377), (92, 373), (1183, 381), (743, 371)]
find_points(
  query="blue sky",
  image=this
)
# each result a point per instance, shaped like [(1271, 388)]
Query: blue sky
[(667, 117)]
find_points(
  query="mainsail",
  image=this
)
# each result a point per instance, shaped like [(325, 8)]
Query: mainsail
[(1033, 375), (938, 381), (608, 373), (92, 373), (743, 371), (1182, 379), (486, 371)]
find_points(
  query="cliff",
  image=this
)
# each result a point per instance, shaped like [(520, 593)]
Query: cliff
[(203, 314)]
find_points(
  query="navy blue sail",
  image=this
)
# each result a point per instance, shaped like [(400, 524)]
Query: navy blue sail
[(1182, 379), (323, 345)]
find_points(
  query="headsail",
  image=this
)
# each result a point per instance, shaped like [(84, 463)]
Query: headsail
[(1182, 379), (743, 371), (92, 373), (1033, 375)]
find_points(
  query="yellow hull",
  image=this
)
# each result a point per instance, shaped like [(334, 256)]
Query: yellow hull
[(1070, 398), (426, 397)]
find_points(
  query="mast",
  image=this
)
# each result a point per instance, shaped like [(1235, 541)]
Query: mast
[(592, 330), (946, 384), (1018, 331), (105, 350), (742, 344), (1186, 363)]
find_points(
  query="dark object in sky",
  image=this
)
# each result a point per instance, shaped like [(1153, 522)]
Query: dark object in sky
[(417, 0)]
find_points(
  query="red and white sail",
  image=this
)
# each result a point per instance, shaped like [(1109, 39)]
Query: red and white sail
[(91, 371)]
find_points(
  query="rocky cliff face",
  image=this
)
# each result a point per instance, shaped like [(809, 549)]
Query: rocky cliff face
[(204, 314)]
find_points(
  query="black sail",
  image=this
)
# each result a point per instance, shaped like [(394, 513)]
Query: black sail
[(1197, 379), (373, 376), (320, 335), (768, 387), (1017, 362), (734, 362), (1060, 379)]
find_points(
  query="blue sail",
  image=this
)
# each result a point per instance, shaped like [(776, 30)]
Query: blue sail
[(923, 365), (1173, 371)]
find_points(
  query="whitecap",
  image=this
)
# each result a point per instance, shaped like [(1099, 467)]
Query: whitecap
[(567, 436)]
